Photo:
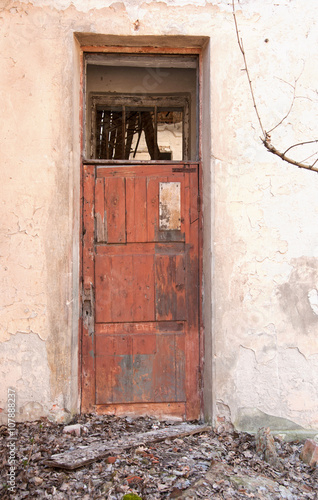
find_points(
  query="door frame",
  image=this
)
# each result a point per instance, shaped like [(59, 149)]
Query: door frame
[(150, 50)]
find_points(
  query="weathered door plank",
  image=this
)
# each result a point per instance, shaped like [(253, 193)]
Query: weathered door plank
[(88, 347), (74, 459)]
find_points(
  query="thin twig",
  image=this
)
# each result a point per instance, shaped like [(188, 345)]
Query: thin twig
[(299, 144), (240, 44), (288, 112), (314, 163), (308, 157)]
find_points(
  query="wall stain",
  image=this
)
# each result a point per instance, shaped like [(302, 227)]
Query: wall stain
[(293, 295)]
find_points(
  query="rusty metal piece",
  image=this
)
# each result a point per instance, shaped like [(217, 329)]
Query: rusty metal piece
[(184, 169)]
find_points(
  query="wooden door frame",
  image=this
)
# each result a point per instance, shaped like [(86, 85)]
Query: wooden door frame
[(150, 50)]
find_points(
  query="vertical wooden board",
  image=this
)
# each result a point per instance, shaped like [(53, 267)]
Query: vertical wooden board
[(164, 369), (180, 367), (106, 370), (180, 289), (192, 284), (194, 196), (104, 287), (141, 209), (164, 279), (116, 209), (88, 347), (123, 386), (122, 292), (193, 254), (100, 212), (130, 210), (88, 216), (114, 380), (114, 369), (142, 378), (144, 350), (88, 383), (144, 288), (170, 287), (152, 207)]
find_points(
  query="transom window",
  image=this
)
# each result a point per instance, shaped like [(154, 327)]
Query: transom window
[(140, 127)]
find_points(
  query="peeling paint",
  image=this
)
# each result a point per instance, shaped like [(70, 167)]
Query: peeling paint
[(23, 367), (313, 300)]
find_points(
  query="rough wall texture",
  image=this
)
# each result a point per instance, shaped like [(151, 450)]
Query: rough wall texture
[(260, 242)]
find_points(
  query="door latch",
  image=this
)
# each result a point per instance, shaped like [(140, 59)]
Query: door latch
[(88, 309)]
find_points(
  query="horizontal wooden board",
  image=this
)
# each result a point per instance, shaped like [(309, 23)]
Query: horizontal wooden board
[(137, 328), (85, 455)]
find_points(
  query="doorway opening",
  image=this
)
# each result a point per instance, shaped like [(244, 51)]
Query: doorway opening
[(141, 236)]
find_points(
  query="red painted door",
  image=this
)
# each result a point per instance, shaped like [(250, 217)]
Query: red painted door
[(140, 343)]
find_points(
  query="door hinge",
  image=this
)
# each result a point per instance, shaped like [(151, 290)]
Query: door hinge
[(184, 169)]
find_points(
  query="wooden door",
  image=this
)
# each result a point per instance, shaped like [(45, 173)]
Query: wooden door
[(140, 343)]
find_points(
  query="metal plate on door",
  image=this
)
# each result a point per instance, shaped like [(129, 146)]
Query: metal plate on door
[(169, 206)]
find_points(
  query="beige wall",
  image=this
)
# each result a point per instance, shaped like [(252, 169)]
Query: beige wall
[(260, 240)]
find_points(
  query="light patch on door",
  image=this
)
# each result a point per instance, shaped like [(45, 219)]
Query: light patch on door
[(169, 206)]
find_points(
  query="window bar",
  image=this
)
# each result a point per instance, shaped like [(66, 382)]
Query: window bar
[(106, 135), (112, 136), (123, 131), (156, 149)]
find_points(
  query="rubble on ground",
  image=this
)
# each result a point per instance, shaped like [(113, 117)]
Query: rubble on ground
[(208, 465)]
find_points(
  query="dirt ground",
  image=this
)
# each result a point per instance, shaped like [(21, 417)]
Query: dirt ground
[(209, 465)]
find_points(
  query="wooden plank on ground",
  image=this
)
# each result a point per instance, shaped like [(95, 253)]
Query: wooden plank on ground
[(74, 459)]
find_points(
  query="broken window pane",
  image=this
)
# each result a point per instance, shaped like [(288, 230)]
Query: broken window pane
[(141, 141), (109, 133), (170, 134)]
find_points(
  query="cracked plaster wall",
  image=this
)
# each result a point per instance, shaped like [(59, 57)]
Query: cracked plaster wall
[(260, 241)]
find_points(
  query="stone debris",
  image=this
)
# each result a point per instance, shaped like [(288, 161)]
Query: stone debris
[(309, 453), (265, 447), (210, 465), (242, 484), (76, 429)]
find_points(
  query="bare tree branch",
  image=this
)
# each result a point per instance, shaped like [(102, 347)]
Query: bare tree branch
[(276, 152), (266, 139)]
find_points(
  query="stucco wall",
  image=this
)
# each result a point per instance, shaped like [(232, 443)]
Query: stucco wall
[(260, 240)]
